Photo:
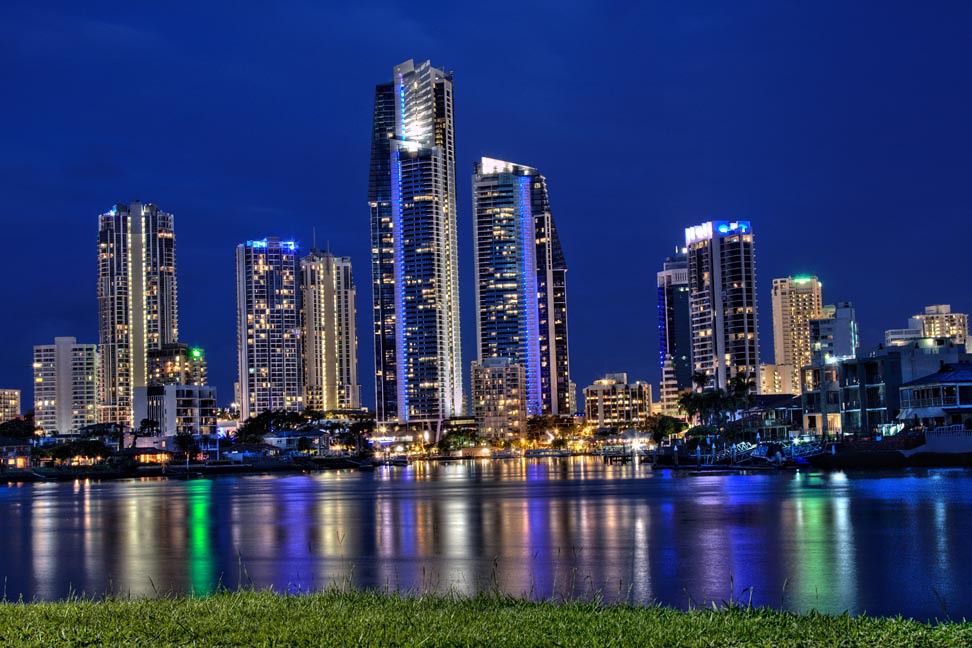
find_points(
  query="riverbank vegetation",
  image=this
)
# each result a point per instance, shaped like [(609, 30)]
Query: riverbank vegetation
[(376, 619)]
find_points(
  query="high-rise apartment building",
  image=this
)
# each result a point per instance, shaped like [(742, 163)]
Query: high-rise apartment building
[(65, 386), (834, 336), (722, 300), (268, 301), (795, 301), (939, 321), (137, 301), (674, 331), (499, 398), (9, 404), (415, 269), (177, 408), (613, 402), (330, 344), (521, 290), (176, 364)]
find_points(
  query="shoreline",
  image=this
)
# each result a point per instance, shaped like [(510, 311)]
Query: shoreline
[(199, 471), (339, 617)]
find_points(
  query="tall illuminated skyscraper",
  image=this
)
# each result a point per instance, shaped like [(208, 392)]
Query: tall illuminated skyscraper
[(674, 331), (137, 301), (415, 269), (521, 292), (722, 300), (795, 301), (330, 343), (268, 299)]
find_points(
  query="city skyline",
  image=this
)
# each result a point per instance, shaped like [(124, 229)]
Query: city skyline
[(728, 165)]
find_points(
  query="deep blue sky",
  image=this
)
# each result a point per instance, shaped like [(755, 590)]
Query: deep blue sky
[(843, 131)]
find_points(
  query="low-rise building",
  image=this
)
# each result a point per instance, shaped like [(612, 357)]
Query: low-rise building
[(14, 453), (870, 383), (941, 398), (612, 402)]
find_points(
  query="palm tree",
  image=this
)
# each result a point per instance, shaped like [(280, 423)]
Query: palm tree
[(700, 379), (689, 403)]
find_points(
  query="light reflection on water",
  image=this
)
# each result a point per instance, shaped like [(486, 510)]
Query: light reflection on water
[(883, 543)]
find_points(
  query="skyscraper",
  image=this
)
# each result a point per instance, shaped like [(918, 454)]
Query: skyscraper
[(268, 301), (330, 344), (521, 292), (722, 300), (65, 385), (137, 300), (795, 301), (415, 270), (674, 331)]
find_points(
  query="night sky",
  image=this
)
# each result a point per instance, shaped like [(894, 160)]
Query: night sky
[(843, 131)]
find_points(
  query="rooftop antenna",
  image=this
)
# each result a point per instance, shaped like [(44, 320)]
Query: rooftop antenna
[(313, 238)]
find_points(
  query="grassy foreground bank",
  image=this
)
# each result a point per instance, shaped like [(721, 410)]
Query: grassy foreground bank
[(373, 619)]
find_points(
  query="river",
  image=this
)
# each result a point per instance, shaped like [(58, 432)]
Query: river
[(881, 543)]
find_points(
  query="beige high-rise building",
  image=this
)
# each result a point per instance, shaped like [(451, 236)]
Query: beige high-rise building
[(330, 343), (776, 379), (499, 398), (9, 404), (796, 301), (65, 386)]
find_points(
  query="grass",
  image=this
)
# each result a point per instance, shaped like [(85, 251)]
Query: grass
[(376, 619)]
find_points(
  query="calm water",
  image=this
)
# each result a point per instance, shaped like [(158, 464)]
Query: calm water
[(881, 543)]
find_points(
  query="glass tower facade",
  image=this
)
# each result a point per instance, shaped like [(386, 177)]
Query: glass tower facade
[(674, 331), (268, 301), (521, 293), (383, 254), (137, 301), (415, 270), (722, 300)]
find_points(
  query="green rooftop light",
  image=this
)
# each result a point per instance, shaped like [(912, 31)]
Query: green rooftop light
[(196, 352), (802, 279)]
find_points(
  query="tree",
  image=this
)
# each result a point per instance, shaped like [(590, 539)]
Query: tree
[(184, 442), (18, 429), (700, 379), (661, 426), (90, 448), (304, 444), (690, 404)]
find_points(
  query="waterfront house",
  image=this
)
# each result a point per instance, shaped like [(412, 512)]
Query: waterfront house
[(942, 398), (14, 453)]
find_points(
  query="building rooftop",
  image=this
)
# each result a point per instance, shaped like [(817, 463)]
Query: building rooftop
[(950, 373)]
